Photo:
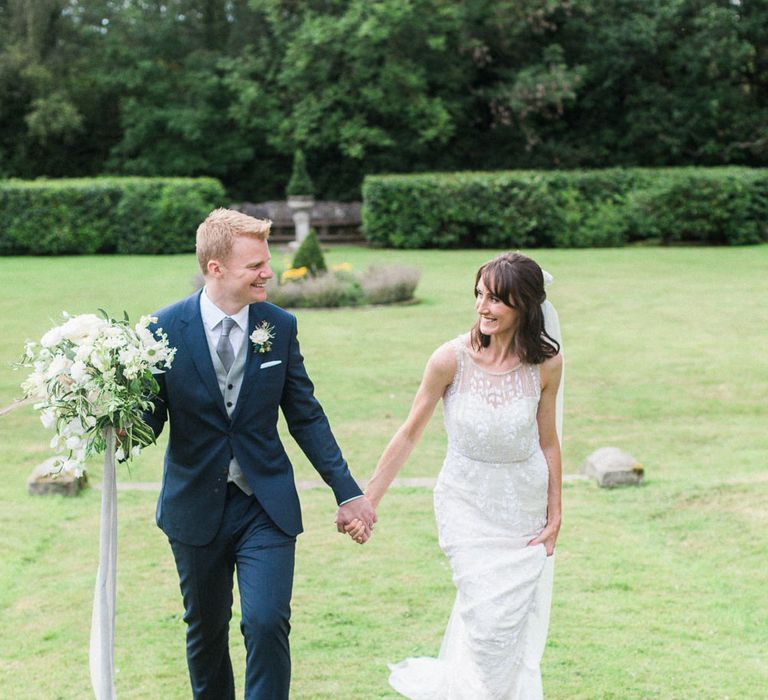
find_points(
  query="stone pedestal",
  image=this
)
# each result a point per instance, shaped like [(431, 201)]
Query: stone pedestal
[(301, 210), (41, 482), (612, 467)]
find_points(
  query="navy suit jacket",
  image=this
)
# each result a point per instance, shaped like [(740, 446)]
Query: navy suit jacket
[(203, 438)]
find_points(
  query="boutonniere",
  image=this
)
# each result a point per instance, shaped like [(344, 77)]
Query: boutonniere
[(262, 337)]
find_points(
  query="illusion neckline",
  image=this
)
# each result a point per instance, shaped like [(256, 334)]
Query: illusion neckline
[(487, 371)]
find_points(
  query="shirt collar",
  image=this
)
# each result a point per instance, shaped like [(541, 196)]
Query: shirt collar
[(213, 315)]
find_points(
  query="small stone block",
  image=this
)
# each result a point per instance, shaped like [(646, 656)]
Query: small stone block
[(612, 467), (41, 482)]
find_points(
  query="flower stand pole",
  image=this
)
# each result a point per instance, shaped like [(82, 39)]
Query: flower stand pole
[(102, 652)]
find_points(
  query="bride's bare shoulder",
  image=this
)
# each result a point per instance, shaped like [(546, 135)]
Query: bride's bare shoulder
[(551, 370), (553, 363), (443, 362)]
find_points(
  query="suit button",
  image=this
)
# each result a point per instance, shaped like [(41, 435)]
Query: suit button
[(231, 434), (215, 490), (230, 386), (229, 404)]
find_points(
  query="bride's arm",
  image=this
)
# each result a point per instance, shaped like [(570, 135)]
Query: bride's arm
[(551, 371), (437, 376)]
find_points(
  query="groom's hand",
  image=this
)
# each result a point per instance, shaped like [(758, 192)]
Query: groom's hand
[(357, 509)]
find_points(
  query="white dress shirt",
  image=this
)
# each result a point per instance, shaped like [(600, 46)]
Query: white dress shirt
[(212, 318)]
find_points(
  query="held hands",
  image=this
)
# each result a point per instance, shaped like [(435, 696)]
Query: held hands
[(548, 536), (356, 530), (356, 518)]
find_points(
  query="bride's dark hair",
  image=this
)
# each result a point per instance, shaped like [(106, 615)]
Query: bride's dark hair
[(518, 281)]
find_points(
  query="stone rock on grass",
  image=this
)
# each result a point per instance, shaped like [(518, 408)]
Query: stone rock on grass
[(41, 482), (612, 467)]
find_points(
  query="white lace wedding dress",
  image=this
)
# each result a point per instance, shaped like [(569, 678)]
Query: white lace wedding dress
[(490, 501)]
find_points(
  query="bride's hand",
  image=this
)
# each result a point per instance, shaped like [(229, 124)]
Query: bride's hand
[(356, 530), (547, 537)]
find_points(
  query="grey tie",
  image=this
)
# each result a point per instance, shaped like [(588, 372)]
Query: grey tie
[(224, 347)]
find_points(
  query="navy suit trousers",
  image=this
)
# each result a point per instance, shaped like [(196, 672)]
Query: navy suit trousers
[(249, 543)]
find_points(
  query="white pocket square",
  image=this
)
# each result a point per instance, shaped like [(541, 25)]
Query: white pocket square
[(270, 364)]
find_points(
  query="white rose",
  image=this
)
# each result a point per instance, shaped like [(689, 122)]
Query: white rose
[(59, 365), (78, 371), (83, 352), (52, 337), (260, 336), (83, 327)]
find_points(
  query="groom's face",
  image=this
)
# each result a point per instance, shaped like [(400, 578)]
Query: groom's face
[(245, 272)]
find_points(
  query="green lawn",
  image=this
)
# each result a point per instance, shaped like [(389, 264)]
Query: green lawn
[(660, 591)]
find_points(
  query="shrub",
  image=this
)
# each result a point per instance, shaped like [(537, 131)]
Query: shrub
[(341, 287), (162, 215), (590, 224), (310, 255), (104, 215), (58, 217), (566, 208), (328, 290), (700, 206), (390, 284), (300, 183)]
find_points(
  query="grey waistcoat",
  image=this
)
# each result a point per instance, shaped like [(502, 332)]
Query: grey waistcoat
[(229, 384)]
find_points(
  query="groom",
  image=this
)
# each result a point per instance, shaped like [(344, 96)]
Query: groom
[(228, 501)]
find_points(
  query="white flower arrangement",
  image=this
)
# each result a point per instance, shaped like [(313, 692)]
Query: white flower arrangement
[(262, 337), (94, 372)]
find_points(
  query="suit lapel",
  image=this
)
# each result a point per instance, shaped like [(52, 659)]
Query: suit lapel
[(253, 359), (194, 337)]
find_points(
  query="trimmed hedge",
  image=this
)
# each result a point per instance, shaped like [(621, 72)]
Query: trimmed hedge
[(104, 215), (579, 209)]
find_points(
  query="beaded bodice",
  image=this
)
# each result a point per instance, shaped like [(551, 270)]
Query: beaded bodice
[(491, 417)]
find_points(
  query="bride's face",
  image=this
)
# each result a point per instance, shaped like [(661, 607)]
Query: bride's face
[(496, 317)]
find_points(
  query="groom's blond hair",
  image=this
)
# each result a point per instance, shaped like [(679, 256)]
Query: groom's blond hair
[(216, 235)]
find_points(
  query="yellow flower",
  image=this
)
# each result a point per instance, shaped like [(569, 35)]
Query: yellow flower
[(295, 273), (341, 267)]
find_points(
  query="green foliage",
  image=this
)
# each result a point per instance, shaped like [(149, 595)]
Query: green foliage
[(713, 207), (310, 254), (228, 89), (103, 215), (160, 215), (579, 209), (300, 182)]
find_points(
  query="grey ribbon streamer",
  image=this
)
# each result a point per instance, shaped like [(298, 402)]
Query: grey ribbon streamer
[(102, 652), (16, 404)]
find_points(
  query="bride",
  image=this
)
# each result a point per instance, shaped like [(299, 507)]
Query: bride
[(497, 498)]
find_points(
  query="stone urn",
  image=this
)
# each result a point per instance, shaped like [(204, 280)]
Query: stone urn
[(301, 210)]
